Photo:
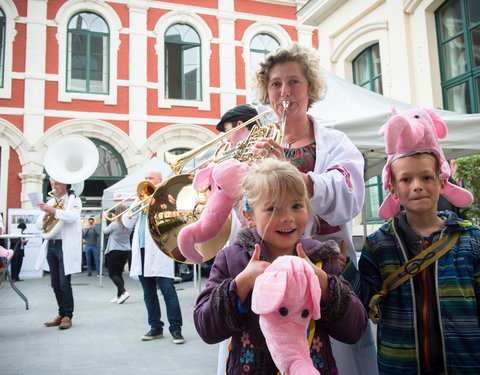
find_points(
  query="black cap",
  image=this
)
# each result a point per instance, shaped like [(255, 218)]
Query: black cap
[(243, 112)]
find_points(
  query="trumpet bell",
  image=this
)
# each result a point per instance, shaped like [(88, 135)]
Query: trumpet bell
[(167, 216), (72, 159)]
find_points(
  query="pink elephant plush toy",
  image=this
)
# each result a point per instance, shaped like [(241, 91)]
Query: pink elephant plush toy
[(414, 131), (4, 253), (225, 180), (287, 296)]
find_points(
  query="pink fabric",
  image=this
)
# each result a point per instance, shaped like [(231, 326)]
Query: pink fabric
[(414, 131), (288, 285), (4, 253), (225, 180)]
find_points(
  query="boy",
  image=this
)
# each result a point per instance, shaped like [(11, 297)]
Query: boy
[(427, 308)]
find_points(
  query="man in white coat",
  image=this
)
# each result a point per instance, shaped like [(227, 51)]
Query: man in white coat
[(61, 255), (154, 268)]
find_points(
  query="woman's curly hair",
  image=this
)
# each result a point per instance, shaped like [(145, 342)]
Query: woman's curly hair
[(309, 62)]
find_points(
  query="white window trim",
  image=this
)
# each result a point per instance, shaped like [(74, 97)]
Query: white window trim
[(256, 28), (205, 35), (11, 16), (111, 18)]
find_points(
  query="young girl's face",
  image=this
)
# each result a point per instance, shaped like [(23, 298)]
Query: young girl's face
[(281, 224)]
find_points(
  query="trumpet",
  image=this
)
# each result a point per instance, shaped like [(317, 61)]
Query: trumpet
[(145, 190), (223, 151)]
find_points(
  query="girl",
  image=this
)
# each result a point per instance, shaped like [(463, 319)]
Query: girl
[(277, 209), (117, 253)]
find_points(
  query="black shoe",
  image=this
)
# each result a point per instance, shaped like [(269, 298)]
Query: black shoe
[(178, 338), (152, 335)]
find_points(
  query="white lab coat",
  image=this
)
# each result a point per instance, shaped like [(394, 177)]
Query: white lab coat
[(71, 235), (156, 262), (337, 203)]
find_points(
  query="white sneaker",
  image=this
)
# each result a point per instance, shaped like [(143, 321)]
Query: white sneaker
[(123, 297), (114, 300)]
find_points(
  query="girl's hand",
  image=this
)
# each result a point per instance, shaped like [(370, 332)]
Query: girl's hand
[(321, 274), (268, 148), (245, 280)]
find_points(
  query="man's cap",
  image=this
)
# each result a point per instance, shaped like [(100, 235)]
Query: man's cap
[(243, 112)]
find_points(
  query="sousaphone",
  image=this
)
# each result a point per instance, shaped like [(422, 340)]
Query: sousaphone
[(70, 160)]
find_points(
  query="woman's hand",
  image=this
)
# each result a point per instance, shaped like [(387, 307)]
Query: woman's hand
[(321, 274), (342, 257), (268, 148), (245, 280)]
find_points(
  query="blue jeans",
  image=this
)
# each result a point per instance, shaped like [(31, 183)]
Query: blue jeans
[(61, 283), (92, 250), (150, 296)]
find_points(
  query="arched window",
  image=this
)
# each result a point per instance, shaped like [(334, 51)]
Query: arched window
[(458, 30), (367, 70), (88, 48), (260, 46), (2, 46), (182, 63)]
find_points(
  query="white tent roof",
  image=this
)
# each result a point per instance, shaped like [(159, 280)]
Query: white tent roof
[(128, 185), (360, 113)]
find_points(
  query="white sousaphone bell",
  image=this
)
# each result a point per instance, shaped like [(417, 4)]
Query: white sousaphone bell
[(70, 160)]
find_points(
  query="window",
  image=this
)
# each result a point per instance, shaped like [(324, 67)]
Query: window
[(88, 54), (374, 196), (367, 70), (261, 46), (182, 63), (2, 46), (458, 30)]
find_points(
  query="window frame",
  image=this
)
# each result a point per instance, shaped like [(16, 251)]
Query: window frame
[(88, 53), (11, 14), (183, 47), (63, 16), (472, 74), (372, 76)]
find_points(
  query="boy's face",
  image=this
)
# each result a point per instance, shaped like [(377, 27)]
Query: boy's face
[(415, 183)]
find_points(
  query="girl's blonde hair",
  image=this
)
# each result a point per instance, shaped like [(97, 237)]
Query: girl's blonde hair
[(270, 180), (308, 61), (118, 210)]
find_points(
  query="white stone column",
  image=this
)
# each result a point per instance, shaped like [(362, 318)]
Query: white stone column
[(227, 62), (35, 69), (305, 35), (138, 71), (32, 181)]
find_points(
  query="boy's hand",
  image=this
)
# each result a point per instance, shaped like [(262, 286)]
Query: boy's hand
[(342, 257), (246, 279)]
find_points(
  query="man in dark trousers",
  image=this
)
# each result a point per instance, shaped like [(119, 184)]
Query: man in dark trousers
[(90, 235)]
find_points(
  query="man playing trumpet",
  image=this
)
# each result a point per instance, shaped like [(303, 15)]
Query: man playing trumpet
[(61, 254)]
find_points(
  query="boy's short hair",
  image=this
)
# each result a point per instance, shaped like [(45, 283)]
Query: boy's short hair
[(418, 155)]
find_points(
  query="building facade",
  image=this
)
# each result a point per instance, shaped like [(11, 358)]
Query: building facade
[(142, 78)]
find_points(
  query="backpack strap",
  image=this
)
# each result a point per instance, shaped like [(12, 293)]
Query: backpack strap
[(413, 267)]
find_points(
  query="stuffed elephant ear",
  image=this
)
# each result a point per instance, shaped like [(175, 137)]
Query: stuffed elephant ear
[(269, 291), (315, 294), (202, 178)]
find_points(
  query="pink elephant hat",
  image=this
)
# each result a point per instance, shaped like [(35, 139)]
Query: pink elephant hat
[(411, 132)]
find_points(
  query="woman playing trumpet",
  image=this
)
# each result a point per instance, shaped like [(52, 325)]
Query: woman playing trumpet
[(290, 81)]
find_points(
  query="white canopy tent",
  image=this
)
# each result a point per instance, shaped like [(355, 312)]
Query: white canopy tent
[(360, 113)]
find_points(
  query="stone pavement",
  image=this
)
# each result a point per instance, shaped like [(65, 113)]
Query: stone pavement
[(105, 337)]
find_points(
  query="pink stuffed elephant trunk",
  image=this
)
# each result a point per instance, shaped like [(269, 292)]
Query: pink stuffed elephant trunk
[(204, 229), (288, 346)]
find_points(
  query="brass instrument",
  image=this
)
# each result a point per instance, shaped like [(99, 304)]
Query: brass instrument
[(165, 223), (49, 221), (145, 190), (223, 151), (70, 160)]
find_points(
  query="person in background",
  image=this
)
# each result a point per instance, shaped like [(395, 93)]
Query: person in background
[(19, 252), (231, 119), (154, 269), (117, 253), (92, 252), (62, 254), (331, 166)]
